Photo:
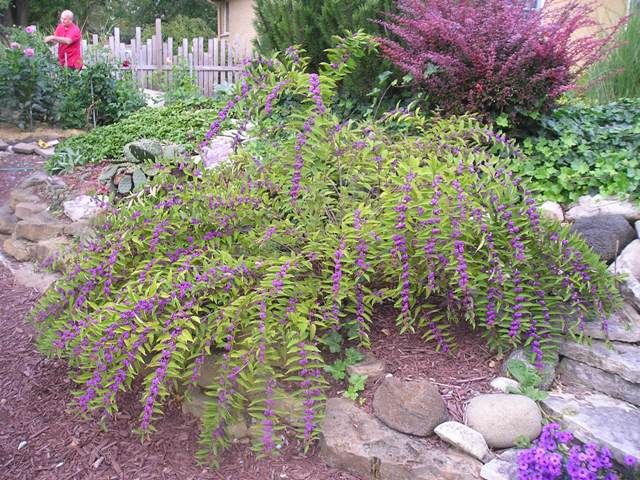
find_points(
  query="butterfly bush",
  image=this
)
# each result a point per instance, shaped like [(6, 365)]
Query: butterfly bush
[(494, 56), (556, 455), (310, 226)]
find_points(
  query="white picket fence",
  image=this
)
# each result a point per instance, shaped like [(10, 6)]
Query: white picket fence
[(211, 61)]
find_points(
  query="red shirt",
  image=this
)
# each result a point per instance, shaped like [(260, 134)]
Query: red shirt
[(69, 55)]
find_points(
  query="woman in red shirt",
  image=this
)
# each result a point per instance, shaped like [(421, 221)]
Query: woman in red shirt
[(68, 37)]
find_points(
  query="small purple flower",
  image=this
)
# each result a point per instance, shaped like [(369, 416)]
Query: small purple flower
[(30, 29), (14, 45), (29, 52)]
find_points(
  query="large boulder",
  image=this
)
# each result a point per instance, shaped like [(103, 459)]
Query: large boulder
[(607, 235), (414, 407), (357, 442), (628, 260), (589, 206), (503, 418)]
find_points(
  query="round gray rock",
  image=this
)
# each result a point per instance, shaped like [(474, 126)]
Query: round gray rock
[(414, 407), (607, 235), (503, 418)]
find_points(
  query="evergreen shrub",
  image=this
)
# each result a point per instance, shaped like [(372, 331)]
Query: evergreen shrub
[(493, 57), (293, 242)]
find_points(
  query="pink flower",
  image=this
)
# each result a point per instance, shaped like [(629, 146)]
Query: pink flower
[(30, 29), (28, 52), (14, 45)]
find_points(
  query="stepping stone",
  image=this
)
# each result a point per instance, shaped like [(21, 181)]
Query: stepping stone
[(370, 367), (355, 441), (51, 248), (573, 372), (7, 220), (622, 326), (19, 195), (24, 148), (618, 358), (598, 418), (30, 278)]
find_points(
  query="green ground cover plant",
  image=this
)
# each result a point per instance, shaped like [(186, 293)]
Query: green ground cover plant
[(583, 149), (183, 122), (264, 261)]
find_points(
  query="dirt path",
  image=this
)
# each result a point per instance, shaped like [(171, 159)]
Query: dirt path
[(41, 437)]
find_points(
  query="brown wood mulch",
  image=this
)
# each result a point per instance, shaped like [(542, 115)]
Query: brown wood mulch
[(42, 437)]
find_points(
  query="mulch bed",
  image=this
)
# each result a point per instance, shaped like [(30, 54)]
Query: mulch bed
[(41, 436)]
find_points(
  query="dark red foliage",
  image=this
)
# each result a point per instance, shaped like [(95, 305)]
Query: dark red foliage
[(494, 56)]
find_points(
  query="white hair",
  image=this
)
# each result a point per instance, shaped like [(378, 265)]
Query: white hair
[(67, 13)]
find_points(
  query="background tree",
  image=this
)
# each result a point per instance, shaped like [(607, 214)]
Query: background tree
[(281, 23)]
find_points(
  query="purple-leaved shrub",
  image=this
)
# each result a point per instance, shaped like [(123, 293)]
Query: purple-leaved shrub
[(311, 225), (494, 56)]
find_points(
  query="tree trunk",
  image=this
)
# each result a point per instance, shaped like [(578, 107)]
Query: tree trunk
[(21, 12)]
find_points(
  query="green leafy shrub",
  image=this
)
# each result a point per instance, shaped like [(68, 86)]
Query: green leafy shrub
[(585, 149), (312, 25), (183, 122), (295, 241), (618, 75), (27, 79), (96, 96)]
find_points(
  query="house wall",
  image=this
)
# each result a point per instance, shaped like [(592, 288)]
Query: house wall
[(241, 31)]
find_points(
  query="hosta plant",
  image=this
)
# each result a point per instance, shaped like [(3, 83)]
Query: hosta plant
[(295, 241)]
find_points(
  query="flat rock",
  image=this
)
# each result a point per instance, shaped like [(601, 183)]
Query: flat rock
[(45, 153), (464, 438), (7, 221), (30, 278), (628, 260), (607, 235), (194, 403), (19, 195), (40, 227), (572, 372), (589, 206), (51, 248), (622, 326), (209, 371), (370, 367), (548, 373), (551, 211), (598, 418), (143, 151), (359, 443), (630, 288), (26, 210), (83, 207), (414, 407), (503, 418), (82, 230), (24, 148), (498, 469), (617, 358), (18, 249)]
